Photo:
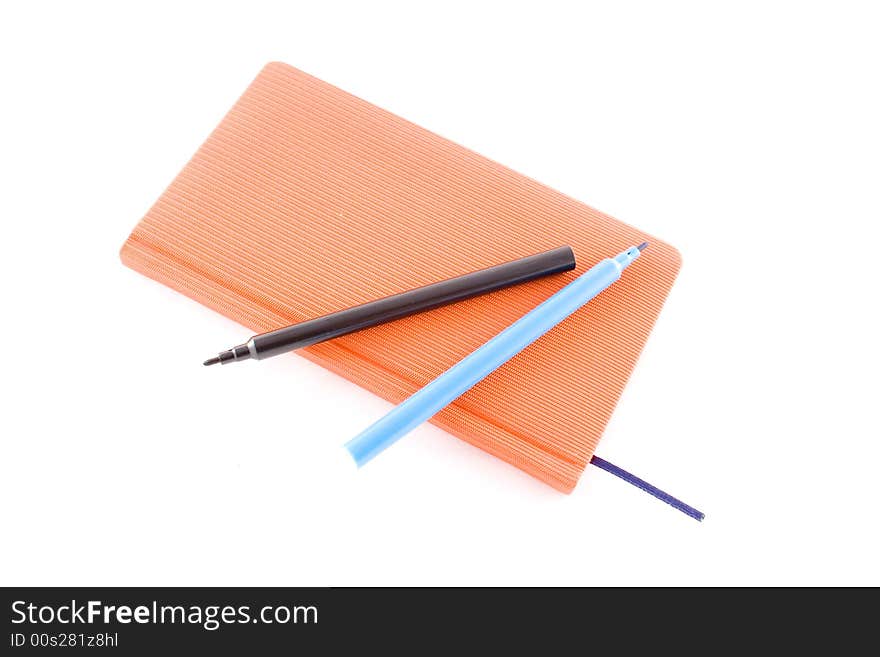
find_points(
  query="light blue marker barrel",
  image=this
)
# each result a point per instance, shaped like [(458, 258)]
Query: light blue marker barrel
[(463, 376)]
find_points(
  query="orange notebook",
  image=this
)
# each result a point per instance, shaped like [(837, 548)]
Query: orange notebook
[(306, 200)]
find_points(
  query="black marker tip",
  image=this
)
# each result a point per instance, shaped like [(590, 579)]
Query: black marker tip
[(642, 246)]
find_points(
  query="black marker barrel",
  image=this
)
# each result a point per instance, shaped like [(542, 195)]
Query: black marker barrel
[(400, 305)]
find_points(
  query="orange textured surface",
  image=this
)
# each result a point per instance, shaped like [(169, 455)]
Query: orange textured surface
[(306, 200)]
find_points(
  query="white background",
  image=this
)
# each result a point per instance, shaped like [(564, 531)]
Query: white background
[(747, 136)]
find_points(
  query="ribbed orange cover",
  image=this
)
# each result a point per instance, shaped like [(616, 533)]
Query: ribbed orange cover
[(306, 200)]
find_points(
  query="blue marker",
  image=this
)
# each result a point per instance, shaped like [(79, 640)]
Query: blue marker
[(463, 376)]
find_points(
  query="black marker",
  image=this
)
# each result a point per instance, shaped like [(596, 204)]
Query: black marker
[(399, 305)]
